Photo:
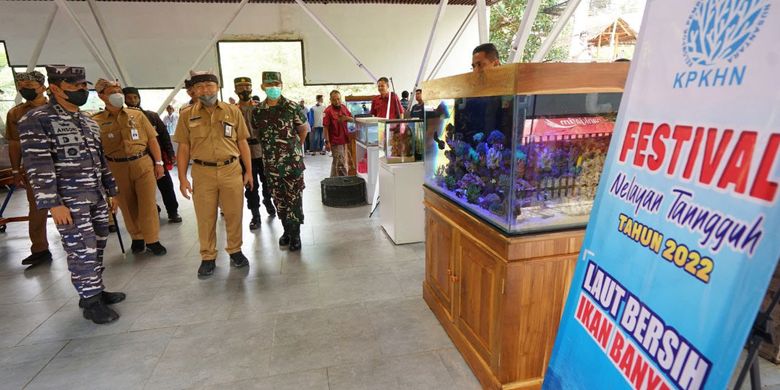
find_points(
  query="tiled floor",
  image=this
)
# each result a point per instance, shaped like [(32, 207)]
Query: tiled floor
[(344, 313)]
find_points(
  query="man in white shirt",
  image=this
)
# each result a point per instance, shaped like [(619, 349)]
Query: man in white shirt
[(317, 111), (171, 119)]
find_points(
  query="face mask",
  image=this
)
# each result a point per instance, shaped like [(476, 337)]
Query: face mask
[(209, 100), (117, 100), (78, 97), (245, 95), (28, 93), (273, 92)]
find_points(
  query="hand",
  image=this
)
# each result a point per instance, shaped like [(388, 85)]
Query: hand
[(112, 204), (19, 180), (61, 215), (249, 181), (185, 188), (159, 171), (344, 118), (327, 146)]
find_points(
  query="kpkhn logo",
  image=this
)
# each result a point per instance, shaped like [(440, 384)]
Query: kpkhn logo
[(716, 33)]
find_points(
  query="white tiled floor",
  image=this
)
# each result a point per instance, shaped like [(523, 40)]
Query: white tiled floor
[(344, 313)]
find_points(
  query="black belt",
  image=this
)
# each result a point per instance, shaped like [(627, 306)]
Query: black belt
[(126, 159), (253, 141), (214, 164)]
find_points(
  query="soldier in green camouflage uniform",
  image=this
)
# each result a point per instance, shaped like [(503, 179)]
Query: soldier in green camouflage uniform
[(281, 130)]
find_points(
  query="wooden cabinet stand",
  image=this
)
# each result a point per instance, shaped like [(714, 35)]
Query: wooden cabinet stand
[(499, 298)]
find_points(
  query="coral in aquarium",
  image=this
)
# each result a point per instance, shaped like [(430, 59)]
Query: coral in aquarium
[(400, 141), (550, 170)]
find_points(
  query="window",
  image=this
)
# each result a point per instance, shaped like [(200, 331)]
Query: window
[(251, 58)]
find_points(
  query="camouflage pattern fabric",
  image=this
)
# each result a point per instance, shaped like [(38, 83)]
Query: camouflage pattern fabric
[(63, 157), (282, 155)]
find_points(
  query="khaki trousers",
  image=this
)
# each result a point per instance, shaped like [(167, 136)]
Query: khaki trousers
[(223, 187), (340, 164), (37, 222), (138, 198)]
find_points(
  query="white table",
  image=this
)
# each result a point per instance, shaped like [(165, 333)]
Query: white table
[(401, 210)]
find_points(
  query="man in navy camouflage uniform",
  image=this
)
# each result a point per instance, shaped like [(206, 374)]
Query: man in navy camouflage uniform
[(64, 160), (281, 130)]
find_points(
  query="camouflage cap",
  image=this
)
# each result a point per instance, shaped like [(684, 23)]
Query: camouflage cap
[(270, 77), (71, 74), (242, 80), (30, 76), (102, 84), (127, 90)]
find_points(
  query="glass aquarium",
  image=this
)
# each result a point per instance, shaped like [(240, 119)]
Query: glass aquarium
[(359, 107), (400, 139), (367, 130), (524, 163)]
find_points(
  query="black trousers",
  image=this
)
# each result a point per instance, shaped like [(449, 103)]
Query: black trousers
[(253, 196), (165, 185)]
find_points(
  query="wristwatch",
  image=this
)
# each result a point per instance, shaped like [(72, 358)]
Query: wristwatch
[(160, 163)]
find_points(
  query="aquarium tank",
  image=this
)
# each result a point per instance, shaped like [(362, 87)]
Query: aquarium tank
[(401, 140), (524, 163)]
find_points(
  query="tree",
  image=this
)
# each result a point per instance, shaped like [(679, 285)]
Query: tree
[(505, 17)]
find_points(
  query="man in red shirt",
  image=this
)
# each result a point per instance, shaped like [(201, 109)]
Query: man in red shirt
[(334, 122), (379, 103)]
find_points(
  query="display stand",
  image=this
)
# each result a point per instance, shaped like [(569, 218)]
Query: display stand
[(372, 162), (401, 210), (498, 297)]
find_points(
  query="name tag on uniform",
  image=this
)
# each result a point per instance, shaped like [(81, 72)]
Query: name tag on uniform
[(134, 134), (228, 130), (110, 135)]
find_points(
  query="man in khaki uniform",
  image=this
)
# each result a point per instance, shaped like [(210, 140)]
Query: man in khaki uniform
[(128, 137), (214, 135), (31, 88)]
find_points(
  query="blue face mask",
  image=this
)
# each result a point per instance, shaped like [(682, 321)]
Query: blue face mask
[(273, 92)]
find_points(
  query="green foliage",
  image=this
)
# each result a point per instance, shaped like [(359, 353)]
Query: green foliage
[(505, 17)]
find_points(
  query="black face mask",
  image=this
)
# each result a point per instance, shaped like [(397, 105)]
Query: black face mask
[(245, 95), (78, 98), (28, 94)]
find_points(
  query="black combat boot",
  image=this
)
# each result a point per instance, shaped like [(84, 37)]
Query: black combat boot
[(109, 298), (206, 268), (138, 246), (238, 260), (174, 218), (156, 248), (269, 207), (254, 224), (284, 240), (95, 309), (37, 258), (295, 237)]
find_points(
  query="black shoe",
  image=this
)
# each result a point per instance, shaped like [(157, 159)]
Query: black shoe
[(95, 309), (206, 268), (254, 224), (156, 248), (109, 298), (112, 228), (295, 243), (174, 218), (269, 208), (37, 258), (284, 240), (138, 246), (238, 260)]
